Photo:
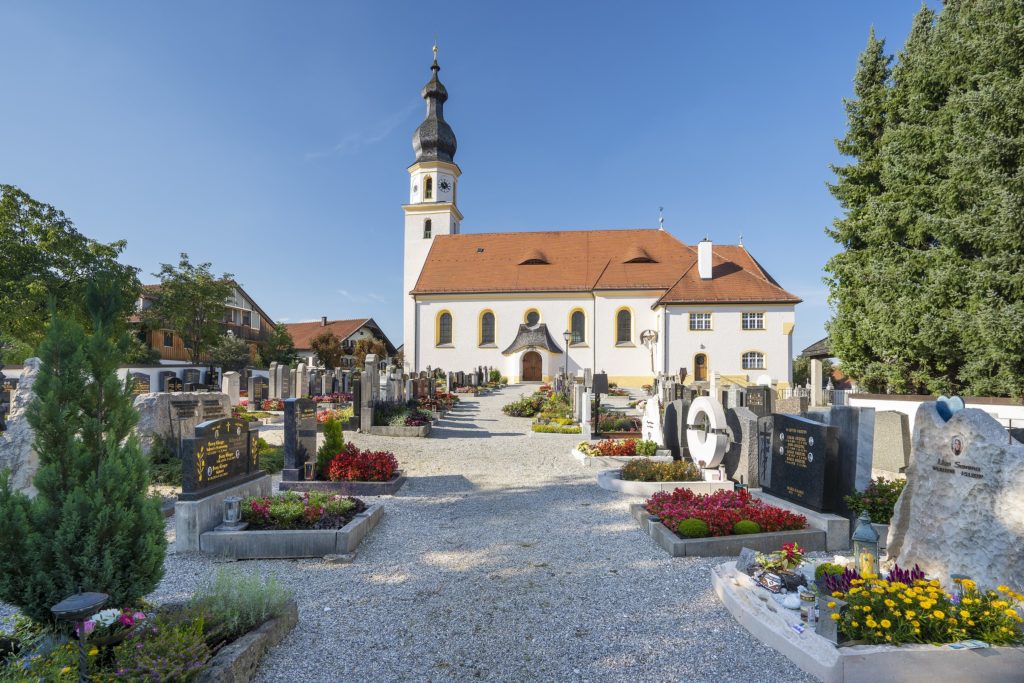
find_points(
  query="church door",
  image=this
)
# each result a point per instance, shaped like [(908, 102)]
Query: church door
[(531, 367), (700, 368)]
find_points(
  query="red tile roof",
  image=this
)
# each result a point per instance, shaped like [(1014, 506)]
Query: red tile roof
[(590, 260), (303, 333)]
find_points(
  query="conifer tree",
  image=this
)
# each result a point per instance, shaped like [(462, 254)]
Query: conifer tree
[(929, 292), (91, 525)]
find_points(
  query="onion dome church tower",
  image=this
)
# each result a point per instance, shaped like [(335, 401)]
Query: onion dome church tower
[(432, 209)]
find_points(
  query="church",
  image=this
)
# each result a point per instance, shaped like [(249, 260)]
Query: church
[(631, 303)]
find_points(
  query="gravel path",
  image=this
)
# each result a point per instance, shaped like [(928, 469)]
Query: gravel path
[(501, 560)]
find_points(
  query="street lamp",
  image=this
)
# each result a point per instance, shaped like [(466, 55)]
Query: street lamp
[(567, 335)]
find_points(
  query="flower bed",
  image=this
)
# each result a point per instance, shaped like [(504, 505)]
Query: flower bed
[(336, 397), (617, 447), (272, 404), (612, 480), (617, 423), (399, 415), (353, 464), (465, 390), (647, 471), (720, 512), (167, 643), (291, 510), (341, 414), (555, 428), (524, 406)]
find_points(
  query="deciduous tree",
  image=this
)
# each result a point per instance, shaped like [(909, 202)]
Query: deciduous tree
[(278, 347), (327, 348)]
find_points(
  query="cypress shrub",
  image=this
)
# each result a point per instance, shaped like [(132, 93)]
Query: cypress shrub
[(92, 525)]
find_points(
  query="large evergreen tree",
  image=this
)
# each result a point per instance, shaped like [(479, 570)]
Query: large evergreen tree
[(928, 292), (91, 525)]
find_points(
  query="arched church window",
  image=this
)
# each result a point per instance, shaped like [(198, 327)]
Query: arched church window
[(444, 328), (578, 326), (623, 326), (426, 229), (487, 328), (428, 188)]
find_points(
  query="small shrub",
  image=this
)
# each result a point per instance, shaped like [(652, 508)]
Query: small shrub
[(525, 406), (166, 650), (236, 602), (692, 528), (828, 568), (746, 526), (353, 464), (503, 380), (307, 511), (555, 429), (647, 470), (646, 447), (494, 376), (879, 499), (271, 458), (334, 443), (617, 422)]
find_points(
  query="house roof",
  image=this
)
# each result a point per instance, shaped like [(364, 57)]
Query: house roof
[(148, 291), (819, 349), (303, 333), (591, 260)]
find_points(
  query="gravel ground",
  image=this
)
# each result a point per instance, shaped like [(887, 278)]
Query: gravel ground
[(501, 560)]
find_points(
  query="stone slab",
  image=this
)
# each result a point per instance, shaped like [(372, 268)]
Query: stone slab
[(910, 663), (836, 527), (723, 546), (238, 660), (292, 544), (616, 461), (349, 488), (892, 442), (16, 451), (611, 480), (399, 431), (194, 517)]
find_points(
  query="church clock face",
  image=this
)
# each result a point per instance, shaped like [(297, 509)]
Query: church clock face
[(445, 185)]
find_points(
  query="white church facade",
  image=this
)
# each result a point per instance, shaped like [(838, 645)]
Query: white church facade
[(631, 303)]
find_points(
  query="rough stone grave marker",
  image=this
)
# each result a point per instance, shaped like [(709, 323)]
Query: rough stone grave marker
[(962, 511), (798, 460), (222, 454), (299, 437)]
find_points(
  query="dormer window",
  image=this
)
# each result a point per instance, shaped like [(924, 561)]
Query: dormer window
[(534, 258), (637, 254), (426, 229), (428, 188)]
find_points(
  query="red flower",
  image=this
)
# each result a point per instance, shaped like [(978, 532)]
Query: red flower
[(355, 465)]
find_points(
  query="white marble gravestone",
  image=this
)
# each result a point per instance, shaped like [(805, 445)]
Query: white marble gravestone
[(229, 384), (652, 428)]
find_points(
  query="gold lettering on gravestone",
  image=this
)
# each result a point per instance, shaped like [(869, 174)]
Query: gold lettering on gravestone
[(307, 413), (796, 447), (217, 459)]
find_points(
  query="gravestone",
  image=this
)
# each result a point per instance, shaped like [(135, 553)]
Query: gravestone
[(599, 384), (856, 433), (230, 385), (891, 444), (759, 400), (798, 460), (301, 383), (172, 417), (962, 511), (259, 391), (221, 454), (299, 437), (707, 437), (284, 379), (651, 427), (674, 423), (294, 390), (140, 383), (16, 451), (741, 456), (272, 381), (210, 380), (794, 405), (190, 376), (174, 384), (356, 386), (162, 379)]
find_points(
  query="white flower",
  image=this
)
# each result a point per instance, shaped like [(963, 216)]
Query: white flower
[(106, 617)]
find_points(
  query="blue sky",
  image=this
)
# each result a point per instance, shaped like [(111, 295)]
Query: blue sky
[(271, 138)]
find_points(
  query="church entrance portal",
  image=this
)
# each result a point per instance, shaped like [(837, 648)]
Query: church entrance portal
[(531, 367)]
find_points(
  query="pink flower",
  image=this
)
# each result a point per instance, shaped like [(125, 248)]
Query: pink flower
[(126, 620), (90, 626), (139, 616)]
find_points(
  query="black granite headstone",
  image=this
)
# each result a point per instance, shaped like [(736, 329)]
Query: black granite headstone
[(174, 384), (798, 460), (163, 377), (190, 376), (299, 437), (140, 383), (671, 435), (259, 392), (600, 383), (759, 400), (222, 454)]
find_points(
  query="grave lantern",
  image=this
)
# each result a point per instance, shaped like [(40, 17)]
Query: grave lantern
[(77, 609), (232, 510), (865, 546)]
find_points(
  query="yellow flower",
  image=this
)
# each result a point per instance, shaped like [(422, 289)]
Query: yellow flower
[(836, 594), (831, 604), (889, 603), (854, 624), (939, 614), (911, 614), (970, 622), (917, 630), (871, 623), (888, 637), (94, 651), (1003, 589), (835, 616), (916, 623), (867, 608), (967, 583), (66, 669), (1011, 613), (885, 623), (964, 613), (1000, 604)]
